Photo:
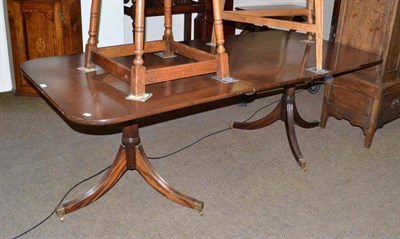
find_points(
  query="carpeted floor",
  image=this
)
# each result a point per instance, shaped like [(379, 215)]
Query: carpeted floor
[(250, 183)]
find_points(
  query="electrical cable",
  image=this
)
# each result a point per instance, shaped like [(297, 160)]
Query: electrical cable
[(51, 214), (159, 157), (211, 134), (190, 145), (217, 132)]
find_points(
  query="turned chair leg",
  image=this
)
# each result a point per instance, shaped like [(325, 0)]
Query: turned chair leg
[(93, 31), (310, 19), (318, 34), (168, 36), (138, 71), (222, 56)]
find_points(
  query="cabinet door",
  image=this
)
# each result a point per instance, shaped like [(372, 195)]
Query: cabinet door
[(36, 31), (363, 23), (391, 56), (42, 28), (373, 26)]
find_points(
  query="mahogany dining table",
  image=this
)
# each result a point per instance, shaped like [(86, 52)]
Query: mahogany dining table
[(258, 61)]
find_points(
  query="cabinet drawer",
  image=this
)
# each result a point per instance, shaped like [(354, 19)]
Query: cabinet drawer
[(355, 102), (390, 108)]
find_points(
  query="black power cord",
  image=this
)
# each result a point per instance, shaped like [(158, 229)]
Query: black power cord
[(211, 134), (51, 214), (217, 132), (159, 157), (189, 145)]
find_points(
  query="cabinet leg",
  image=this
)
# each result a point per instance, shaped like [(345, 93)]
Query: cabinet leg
[(369, 136), (324, 120)]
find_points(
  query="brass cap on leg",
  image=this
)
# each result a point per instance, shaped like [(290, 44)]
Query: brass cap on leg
[(303, 164), (199, 206), (60, 211)]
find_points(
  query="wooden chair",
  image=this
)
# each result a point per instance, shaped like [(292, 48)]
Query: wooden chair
[(249, 28), (314, 9), (186, 7), (137, 75)]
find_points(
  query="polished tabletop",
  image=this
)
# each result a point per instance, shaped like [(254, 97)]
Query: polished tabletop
[(260, 61)]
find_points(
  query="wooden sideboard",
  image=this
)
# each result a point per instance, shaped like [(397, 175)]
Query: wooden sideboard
[(370, 98), (42, 28)]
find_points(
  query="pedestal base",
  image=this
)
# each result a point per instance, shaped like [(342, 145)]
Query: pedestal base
[(130, 156), (286, 111)]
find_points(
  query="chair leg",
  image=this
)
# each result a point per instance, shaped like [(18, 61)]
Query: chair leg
[(138, 71), (187, 32), (310, 18), (318, 34), (213, 38), (168, 27), (222, 56), (93, 31)]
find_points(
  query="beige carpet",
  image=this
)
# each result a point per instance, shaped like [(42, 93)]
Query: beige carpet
[(249, 180)]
